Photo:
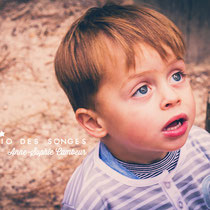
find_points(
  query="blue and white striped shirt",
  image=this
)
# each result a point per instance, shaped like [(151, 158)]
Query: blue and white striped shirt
[(97, 186), (145, 171)]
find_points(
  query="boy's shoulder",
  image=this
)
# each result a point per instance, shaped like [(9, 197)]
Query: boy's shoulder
[(83, 182), (199, 135), (197, 131), (199, 140)]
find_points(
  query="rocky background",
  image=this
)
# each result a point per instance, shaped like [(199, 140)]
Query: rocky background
[(35, 113)]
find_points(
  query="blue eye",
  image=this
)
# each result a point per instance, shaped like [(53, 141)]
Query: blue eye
[(143, 90), (178, 76)]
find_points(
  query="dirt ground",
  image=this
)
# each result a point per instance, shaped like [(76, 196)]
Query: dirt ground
[(35, 113)]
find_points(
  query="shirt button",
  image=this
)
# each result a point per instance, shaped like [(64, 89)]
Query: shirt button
[(168, 184), (180, 204)]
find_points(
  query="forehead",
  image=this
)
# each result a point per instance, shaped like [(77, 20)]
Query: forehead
[(144, 58), (147, 58)]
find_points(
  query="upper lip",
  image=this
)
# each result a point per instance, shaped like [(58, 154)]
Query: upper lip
[(177, 117)]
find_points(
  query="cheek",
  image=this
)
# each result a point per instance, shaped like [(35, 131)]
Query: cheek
[(126, 123), (193, 107), (191, 98), (190, 103), (137, 126)]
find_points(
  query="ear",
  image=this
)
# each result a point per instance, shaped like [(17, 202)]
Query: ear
[(89, 120)]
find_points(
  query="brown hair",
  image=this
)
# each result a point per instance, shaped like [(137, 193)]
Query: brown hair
[(81, 57)]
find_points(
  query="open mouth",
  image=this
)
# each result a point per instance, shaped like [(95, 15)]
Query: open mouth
[(176, 126)]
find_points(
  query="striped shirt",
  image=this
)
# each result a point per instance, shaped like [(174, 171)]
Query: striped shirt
[(145, 171), (96, 185)]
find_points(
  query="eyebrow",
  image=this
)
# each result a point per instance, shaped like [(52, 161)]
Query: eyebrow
[(142, 73)]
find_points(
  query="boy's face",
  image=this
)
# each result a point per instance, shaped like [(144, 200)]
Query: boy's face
[(147, 111)]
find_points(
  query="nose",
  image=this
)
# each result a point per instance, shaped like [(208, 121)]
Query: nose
[(169, 98)]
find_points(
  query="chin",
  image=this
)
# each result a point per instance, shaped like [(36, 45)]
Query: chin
[(178, 144)]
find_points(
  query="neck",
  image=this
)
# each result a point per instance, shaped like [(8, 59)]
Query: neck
[(139, 157)]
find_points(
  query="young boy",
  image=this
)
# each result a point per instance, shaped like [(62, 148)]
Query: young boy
[(123, 70)]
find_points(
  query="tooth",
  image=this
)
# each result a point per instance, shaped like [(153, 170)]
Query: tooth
[(173, 128)]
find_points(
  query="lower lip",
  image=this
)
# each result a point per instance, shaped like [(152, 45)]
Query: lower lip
[(177, 132)]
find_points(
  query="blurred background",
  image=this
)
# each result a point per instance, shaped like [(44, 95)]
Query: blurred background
[(33, 108)]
